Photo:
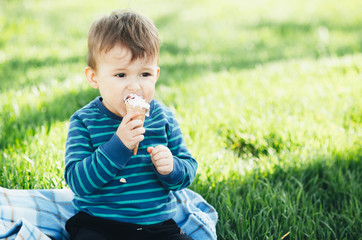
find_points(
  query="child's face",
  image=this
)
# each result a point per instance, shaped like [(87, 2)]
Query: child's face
[(116, 77)]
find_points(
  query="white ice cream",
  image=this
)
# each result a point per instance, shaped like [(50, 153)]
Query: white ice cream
[(137, 101)]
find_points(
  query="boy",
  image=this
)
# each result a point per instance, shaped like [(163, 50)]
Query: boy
[(119, 195)]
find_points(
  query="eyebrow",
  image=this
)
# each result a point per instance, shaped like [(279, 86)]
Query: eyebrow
[(119, 69), (147, 68)]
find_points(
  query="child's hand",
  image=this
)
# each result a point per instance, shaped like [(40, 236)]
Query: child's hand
[(131, 131), (162, 159)]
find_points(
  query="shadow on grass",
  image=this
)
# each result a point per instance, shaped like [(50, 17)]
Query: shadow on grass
[(16, 129), (15, 72), (268, 42), (318, 200)]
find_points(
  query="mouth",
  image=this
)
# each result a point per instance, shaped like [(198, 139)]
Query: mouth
[(132, 96)]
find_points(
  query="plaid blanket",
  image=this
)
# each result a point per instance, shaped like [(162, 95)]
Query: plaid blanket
[(42, 213)]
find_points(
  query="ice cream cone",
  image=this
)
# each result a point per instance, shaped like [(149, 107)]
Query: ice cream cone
[(142, 113), (135, 103)]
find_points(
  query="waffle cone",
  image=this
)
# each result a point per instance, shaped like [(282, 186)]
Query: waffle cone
[(141, 116)]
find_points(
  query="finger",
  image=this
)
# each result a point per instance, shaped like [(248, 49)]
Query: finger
[(134, 140), (163, 168), (133, 124), (158, 148), (135, 129), (153, 155), (129, 116), (150, 149), (159, 155), (137, 139), (137, 134), (161, 163)]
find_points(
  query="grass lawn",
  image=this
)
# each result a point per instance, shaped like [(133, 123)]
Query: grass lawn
[(268, 95)]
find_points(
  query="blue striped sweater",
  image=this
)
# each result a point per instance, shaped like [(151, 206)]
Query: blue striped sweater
[(108, 181)]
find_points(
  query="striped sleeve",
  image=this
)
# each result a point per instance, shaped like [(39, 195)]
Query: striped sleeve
[(88, 168), (185, 165)]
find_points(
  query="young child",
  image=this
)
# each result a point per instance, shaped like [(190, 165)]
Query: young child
[(119, 195)]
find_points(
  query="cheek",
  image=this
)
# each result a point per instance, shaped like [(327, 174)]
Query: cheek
[(113, 91), (149, 91)]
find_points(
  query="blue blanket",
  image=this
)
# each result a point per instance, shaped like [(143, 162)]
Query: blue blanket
[(42, 213)]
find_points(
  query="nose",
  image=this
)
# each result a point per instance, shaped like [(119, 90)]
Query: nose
[(133, 84)]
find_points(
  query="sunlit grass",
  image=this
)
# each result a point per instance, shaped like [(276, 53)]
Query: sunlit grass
[(267, 93), (280, 109)]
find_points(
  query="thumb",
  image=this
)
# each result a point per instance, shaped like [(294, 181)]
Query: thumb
[(150, 149)]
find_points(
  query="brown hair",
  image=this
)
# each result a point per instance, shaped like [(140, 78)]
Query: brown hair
[(130, 29)]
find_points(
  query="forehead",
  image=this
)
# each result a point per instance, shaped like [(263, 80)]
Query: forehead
[(120, 53)]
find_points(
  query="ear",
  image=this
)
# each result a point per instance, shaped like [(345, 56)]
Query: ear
[(91, 76), (158, 73)]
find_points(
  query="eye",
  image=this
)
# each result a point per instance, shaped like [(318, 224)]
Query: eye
[(146, 74), (120, 75)]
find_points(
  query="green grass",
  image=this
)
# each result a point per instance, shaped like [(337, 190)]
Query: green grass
[(267, 93)]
